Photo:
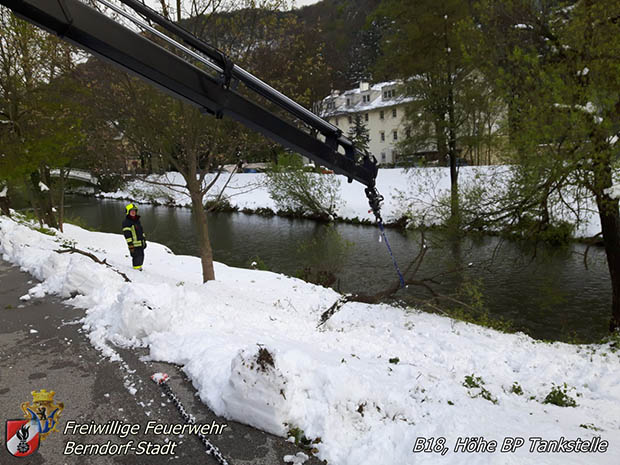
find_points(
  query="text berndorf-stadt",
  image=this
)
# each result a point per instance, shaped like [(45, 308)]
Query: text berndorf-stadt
[(123, 430)]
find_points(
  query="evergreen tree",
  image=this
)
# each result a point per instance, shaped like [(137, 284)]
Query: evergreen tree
[(366, 45), (358, 133)]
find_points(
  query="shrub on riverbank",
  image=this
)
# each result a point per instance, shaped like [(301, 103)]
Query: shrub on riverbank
[(413, 199), (294, 189)]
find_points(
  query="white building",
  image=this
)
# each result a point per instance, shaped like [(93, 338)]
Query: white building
[(382, 110)]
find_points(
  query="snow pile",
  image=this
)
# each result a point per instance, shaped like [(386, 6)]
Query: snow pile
[(365, 387), (421, 194), (299, 458), (583, 72), (613, 191)]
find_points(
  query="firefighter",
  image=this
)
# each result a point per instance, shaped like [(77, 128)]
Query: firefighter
[(136, 239)]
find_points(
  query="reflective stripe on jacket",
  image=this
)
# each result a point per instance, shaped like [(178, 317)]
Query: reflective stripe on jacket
[(132, 230)]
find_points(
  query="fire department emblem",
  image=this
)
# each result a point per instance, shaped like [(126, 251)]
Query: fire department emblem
[(23, 436)]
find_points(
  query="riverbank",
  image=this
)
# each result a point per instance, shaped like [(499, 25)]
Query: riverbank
[(413, 198), (550, 296), (365, 385)]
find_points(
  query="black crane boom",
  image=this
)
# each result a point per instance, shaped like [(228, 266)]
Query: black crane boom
[(99, 34)]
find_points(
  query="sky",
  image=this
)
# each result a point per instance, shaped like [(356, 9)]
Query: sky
[(156, 3), (300, 3)]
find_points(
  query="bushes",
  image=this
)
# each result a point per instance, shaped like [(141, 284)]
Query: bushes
[(110, 182), (296, 190)]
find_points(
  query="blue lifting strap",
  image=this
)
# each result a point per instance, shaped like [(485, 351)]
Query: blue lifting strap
[(400, 276)]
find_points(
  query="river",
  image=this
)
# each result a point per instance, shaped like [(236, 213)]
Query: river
[(548, 295)]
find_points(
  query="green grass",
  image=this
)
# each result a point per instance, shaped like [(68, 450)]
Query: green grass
[(590, 426), (559, 396), (45, 230), (30, 220), (302, 441), (472, 382), (516, 389)]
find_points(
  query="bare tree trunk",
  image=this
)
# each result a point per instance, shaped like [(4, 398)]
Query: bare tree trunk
[(61, 198), (610, 224), (47, 198), (455, 221), (455, 215), (5, 201), (4, 206), (42, 201), (202, 229), (61, 206)]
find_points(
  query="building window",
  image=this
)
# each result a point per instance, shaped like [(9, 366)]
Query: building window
[(382, 157), (365, 98), (381, 114), (382, 134), (395, 135), (387, 94), (348, 101), (350, 120), (366, 117), (393, 112)]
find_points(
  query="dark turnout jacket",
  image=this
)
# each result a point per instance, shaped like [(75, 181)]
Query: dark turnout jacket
[(132, 230)]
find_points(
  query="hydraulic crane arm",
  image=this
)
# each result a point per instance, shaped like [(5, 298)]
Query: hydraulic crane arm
[(95, 32)]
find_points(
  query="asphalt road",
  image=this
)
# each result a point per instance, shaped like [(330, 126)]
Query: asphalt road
[(42, 346)]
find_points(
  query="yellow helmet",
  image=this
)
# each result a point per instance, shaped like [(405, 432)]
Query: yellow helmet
[(130, 207)]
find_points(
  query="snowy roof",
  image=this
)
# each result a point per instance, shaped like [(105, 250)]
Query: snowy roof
[(375, 87), (356, 105), (373, 105)]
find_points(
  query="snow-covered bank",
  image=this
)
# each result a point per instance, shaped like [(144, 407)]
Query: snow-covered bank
[(420, 194), (369, 383)]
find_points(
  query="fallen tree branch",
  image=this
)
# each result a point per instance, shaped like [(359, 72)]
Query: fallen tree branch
[(411, 270), (327, 314), (95, 259)]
